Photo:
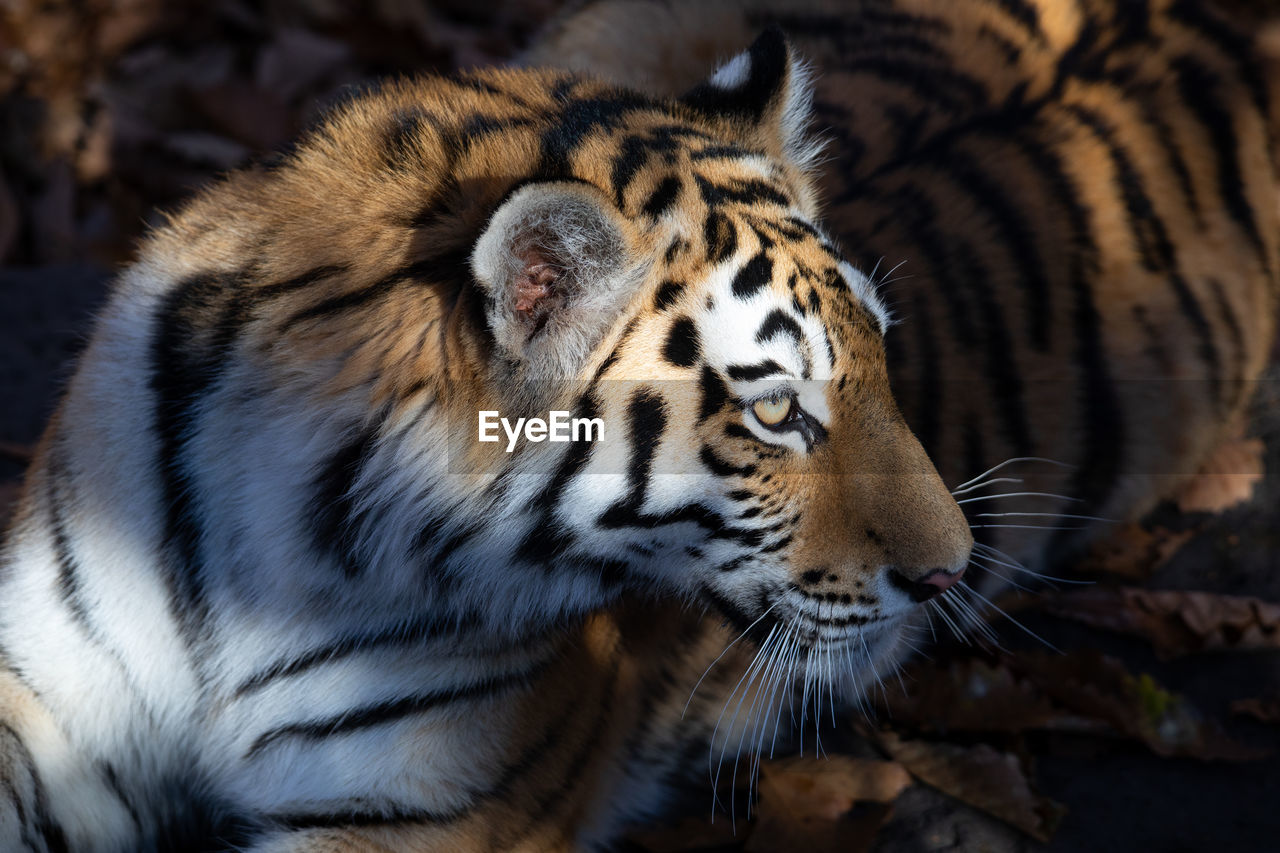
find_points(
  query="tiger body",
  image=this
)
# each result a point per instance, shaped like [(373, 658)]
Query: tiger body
[(264, 588)]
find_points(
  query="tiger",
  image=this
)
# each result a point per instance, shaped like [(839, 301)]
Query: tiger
[(268, 590)]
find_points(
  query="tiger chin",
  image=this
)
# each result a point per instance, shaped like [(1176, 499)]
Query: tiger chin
[(265, 591)]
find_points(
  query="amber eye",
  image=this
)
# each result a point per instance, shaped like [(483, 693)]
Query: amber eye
[(772, 411)]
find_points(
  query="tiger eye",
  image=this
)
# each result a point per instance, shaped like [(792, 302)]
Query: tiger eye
[(773, 410)]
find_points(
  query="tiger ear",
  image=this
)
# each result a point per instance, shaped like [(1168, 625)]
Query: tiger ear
[(766, 93), (556, 269)]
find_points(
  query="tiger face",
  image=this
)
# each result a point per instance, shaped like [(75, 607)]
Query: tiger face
[(754, 456)]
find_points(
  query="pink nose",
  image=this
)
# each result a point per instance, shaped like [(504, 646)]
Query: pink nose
[(934, 583)]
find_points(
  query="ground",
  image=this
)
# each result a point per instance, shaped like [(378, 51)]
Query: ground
[(114, 109)]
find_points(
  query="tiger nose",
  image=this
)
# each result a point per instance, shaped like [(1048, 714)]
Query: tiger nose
[(926, 587)]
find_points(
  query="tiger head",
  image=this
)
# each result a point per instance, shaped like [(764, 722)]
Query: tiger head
[(757, 459), (523, 242)]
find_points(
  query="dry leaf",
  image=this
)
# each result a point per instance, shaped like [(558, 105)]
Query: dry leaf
[(1094, 685), (1266, 710), (1176, 622), (808, 803), (1134, 552), (828, 787), (1225, 479), (972, 695), (982, 777)]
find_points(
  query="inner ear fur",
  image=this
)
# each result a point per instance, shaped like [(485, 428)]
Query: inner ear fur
[(556, 265)]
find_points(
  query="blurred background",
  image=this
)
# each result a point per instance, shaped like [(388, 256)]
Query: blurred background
[(1155, 727)]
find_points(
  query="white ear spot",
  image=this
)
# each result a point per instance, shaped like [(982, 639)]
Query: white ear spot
[(734, 73)]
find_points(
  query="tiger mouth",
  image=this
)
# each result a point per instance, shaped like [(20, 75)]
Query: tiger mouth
[(813, 634)]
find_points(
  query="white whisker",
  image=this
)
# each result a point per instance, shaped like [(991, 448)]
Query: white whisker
[(1007, 462), (947, 620), (1020, 495), (1045, 515), (721, 655), (974, 488), (1025, 527), (1001, 611)]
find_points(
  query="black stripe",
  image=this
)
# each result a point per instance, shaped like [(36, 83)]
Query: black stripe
[(298, 282), (364, 295), (187, 360), (722, 151), (331, 513), (1102, 421), (751, 192), (112, 777), (633, 154), (930, 83), (778, 322), (1155, 246), (647, 419), (390, 711), (547, 539), (751, 372), (533, 757), (999, 353), (755, 275), (582, 118), (1164, 136), (721, 237), (1201, 90), (402, 139), (989, 194), (715, 394), (682, 347), (416, 632), (662, 198), (1234, 332), (918, 219), (68, 568), (40, 821), (1024, 13), (387, 815), (668, 292), (721, 468), (1235, 46)]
